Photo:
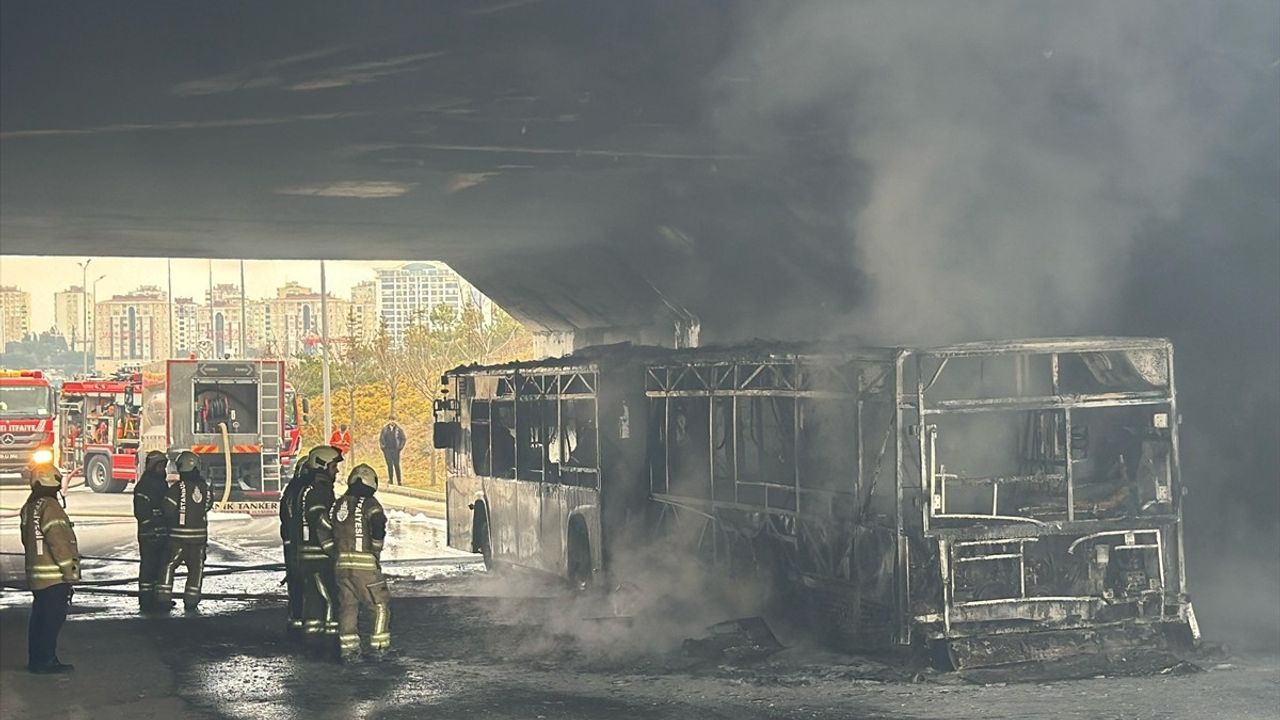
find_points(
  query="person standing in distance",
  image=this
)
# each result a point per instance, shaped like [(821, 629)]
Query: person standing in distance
[(359, 530), (392, 441), (186, 510), (148, 510), (52, 564)]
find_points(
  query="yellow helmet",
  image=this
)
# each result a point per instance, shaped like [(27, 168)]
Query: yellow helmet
[(45, 475), (364, 475)]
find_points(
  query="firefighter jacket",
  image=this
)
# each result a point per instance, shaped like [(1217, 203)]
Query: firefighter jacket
[(359, 529), (291, 510), (317, 499), (186, 507), (49, 541), (148, 505)]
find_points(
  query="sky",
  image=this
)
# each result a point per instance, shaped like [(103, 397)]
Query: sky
[(44, 276)]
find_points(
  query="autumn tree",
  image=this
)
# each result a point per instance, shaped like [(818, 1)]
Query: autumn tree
[(387, 363)]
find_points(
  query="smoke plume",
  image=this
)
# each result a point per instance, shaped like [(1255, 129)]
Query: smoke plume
[(1035, 169)]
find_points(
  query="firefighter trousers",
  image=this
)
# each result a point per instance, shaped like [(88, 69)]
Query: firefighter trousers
[(362, 589), (48, 612), (192, 555), (319, 617), (151, 551), (294, 585)]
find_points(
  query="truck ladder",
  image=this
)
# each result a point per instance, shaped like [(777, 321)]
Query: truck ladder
[(269, 424)]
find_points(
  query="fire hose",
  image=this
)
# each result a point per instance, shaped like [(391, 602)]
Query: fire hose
[(226, 453), (111, 587)]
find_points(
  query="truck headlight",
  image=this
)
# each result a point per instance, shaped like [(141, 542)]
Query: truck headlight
[(43, 456)]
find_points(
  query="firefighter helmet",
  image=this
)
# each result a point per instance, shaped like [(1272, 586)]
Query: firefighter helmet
[(155, 458), (364, 475), (324, 457), (187, 461), (45, 475)]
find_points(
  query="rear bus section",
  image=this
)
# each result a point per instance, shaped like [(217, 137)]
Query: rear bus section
[(1040, 499)]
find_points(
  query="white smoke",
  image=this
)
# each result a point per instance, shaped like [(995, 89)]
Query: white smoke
[(1014, 148)]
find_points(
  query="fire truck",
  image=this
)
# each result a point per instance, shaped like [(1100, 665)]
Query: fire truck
[(99, 426), (26, 419), (238, 416)]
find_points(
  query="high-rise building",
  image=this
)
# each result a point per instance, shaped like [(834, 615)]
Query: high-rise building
[(186, 327), (410, 293), (132, 328), (362, 318), (223, 309), (15, 314), (291, 320), (69, 317)]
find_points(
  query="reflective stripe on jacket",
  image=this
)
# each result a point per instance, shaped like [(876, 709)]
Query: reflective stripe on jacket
[(359, 530), (52, 556)]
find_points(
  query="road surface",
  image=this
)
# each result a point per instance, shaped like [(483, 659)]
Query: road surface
[(480, 645)]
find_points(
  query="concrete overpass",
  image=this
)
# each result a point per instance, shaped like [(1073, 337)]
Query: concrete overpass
[(590, 171)]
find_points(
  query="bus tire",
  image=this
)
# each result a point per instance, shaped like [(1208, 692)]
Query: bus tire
[(97, 475), (578, 556), (480, 535)]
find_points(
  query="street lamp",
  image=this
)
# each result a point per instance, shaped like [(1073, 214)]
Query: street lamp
[(84, 310), (95, 318)]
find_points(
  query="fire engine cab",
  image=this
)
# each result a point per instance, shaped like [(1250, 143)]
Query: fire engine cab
[(99, 427), (26, 419)]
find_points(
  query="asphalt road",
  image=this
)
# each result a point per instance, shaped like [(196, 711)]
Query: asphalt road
[(501, 645), (105, 529)]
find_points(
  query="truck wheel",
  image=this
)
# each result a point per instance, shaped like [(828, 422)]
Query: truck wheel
[(97, 475), (480, 535), (579, 556)]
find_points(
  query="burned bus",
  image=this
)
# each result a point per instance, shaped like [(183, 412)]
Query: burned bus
[(993, 502)]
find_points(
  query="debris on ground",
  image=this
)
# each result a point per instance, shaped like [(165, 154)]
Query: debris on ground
[(741, 640)]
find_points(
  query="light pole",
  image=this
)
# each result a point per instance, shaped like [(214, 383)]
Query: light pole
[(95, 318), (84, 315)]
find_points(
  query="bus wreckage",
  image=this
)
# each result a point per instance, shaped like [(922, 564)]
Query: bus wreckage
[(989, 503)]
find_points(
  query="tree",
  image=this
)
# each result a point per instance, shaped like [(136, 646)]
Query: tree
[(352, 367), (386, 360)]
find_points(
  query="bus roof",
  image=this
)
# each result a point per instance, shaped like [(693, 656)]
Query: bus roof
[(595, 356)]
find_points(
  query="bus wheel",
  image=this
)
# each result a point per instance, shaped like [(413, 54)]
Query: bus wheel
[(97, 475), (579, 556), (480, 535)]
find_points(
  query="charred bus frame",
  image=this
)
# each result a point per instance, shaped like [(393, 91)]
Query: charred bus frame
[(1020, 552), (997, 500)]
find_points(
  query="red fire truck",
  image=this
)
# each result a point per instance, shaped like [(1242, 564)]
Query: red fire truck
[(99, 423), (26, 419)]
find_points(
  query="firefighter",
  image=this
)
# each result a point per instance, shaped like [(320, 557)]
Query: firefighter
[(319, 620), (53, 564), (359, 529), (148, 510), (291, 537), (186, 507)]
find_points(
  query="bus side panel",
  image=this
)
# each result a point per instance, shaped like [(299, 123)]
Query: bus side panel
[(463, 490), (624, 472), (504, 522)]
